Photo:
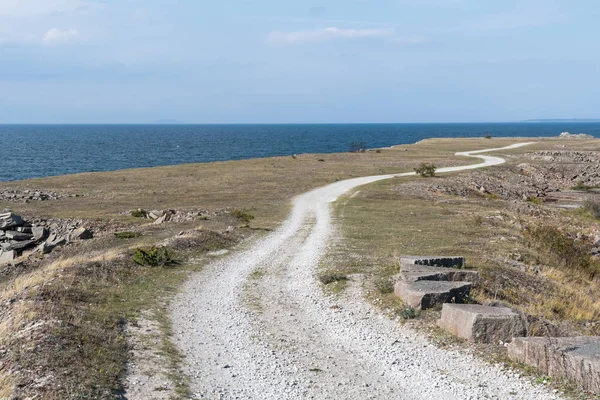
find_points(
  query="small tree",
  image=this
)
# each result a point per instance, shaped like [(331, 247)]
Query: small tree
[(426, 170)]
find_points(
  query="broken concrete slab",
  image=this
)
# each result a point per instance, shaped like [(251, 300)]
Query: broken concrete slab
[(427, 294), (574, 358), (434, 261), (414, 272), (7, 256), (481, 324)]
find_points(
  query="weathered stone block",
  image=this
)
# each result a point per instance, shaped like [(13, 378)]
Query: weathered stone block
[(427, 294), (7, 256), (574, 358), (413, 272), (434, 261), (482, 324)]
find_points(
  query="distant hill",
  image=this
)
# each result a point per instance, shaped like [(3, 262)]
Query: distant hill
[(564, 120)]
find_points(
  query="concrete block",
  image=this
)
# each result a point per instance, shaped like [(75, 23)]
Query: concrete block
[(481, 324), (434, 261), (427, 294), (574, 358)]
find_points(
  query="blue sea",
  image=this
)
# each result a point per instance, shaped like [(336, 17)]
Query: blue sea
[(32, 151)]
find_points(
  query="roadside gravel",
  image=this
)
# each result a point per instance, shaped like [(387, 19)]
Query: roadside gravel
[(256, 325)]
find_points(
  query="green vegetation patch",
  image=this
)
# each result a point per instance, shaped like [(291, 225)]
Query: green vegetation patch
[(154, 256)]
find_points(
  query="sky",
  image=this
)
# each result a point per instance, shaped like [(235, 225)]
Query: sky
[(292, 61)]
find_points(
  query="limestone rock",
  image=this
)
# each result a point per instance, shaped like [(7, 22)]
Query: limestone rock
[(481, 324), (428, 294), (39, 232), (7, 256), (574, 358), (81, 234), (14, 235), (10, 220)]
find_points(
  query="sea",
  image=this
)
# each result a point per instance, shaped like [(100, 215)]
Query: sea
[(35, 151)]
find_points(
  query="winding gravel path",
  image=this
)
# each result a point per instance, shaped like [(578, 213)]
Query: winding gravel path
[(256, 325)]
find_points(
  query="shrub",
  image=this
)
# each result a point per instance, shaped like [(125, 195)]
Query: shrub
[(535, 200), (426, 170), (326, 279), (243, 216), (384, 285), (127, 235), (574, 255), (409, 312), (487, 136), (321, 160), (153, 256), (583, 187), (378, 151), (593, 207), (139, 213)]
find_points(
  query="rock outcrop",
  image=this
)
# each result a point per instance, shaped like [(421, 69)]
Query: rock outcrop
[(18, 236)]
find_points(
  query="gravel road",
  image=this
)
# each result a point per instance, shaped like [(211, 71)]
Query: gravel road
[(256, 325)]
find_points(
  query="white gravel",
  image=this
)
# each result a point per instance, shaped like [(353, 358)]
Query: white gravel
[(275, 335)]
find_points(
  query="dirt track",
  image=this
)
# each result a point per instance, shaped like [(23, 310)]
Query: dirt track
[(256, 325)]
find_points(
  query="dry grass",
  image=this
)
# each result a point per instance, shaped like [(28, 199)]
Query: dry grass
[(392, 218), (63, 328)]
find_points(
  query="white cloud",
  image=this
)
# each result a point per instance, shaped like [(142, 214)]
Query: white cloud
[(327, 34), (56, 36)]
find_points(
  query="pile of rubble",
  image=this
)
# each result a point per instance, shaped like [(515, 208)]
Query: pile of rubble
[(567, 135), (13, 195), (160, 216), (19, 237)]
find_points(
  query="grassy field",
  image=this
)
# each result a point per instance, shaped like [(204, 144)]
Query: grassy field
[(74, 304)]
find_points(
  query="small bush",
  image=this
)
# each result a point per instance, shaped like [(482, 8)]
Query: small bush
[(487, 136), (321, 160), (153, 256), (326, 279), (409, 312), (384, 285), (378, 151), (593, 207), (582, 187), (243, 216), (426, 170), (535, 200), (139, 213), (127, 235)]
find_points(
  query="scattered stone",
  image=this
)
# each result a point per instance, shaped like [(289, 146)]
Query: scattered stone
[(574, 358), (18, 235), (43, 248), (7, 256), (481, 324), (10, 195), (81, 234), (39, 232), (567, 135), (427, 294), (10, 220), (57, 242)]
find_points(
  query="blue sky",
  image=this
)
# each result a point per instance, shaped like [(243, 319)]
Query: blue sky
[(137, 61)]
